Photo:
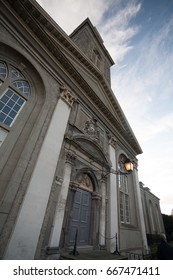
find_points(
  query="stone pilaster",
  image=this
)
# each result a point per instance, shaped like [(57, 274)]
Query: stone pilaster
[(102, 226), (24, 239), (112, 141), (96, 199), (113, 197), (140, 209), (61, 204)]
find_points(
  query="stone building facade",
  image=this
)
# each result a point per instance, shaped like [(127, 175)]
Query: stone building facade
[(63, 135)]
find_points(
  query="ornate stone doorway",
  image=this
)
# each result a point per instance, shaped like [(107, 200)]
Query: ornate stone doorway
[(80, 219), (81, 212)]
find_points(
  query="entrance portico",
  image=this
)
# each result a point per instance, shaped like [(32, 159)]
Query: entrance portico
[(82, 211)]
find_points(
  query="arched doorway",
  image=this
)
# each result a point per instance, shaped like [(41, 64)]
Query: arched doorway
[(81, 211)]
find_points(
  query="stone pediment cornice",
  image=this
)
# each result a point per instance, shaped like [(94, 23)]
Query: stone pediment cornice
[(53, 38), (91, 148)]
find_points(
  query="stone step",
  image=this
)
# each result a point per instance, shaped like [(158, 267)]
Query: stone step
[(91, 255)]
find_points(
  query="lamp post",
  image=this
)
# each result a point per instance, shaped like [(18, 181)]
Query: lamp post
[(125, 168)]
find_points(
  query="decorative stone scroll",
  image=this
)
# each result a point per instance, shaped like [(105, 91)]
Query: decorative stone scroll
[(67, 95)]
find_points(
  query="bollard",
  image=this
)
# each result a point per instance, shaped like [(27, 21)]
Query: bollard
[(116, 252), (75, 252)]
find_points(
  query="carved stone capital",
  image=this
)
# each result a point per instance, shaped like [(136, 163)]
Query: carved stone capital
[(103, 179), (135, 164), (70, 157), (112, 140), (74, 186), (67, 96), (96, 196)]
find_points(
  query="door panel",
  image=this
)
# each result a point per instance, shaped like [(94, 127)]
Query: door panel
[(80, 219)]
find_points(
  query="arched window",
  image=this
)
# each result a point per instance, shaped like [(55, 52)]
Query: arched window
[(123, 192), (14, 92)]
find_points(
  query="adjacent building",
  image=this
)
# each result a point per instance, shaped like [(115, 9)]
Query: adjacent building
[(152, 214), (63, 138)]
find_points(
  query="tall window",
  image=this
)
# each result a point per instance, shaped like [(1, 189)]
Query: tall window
[(14, 92), (123, 193), (124, 200)]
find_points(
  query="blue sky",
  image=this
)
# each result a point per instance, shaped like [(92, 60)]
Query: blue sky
[(139, 36)]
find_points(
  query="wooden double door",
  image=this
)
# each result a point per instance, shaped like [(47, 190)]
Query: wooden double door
[(80, 218)]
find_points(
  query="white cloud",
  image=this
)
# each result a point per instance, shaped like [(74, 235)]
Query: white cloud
[(69, 14), (154, 129), (144, 90), (115, 28), (155, 167), (117, 32)]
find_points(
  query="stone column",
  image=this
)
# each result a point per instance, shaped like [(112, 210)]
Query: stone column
[(26, 232), (140, 209), (95, 214), (68, 213), (61, 204), (113, 198), (102, 230)]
